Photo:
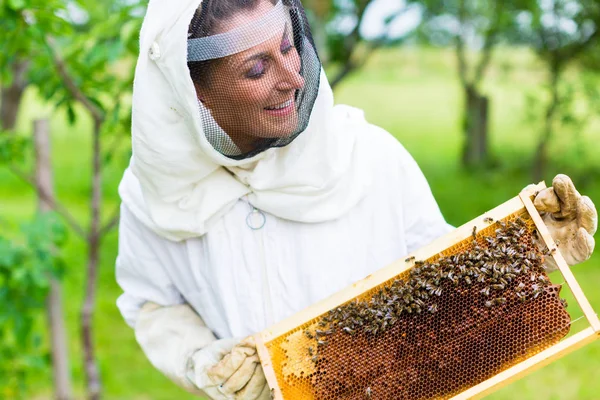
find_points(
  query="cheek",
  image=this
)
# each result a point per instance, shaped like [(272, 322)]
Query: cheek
[(251, 94), (296, 61)]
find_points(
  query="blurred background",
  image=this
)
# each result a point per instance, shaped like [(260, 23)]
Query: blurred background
[(487, 95)]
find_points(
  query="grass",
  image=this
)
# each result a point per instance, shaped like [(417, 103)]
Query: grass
[(415, 95)]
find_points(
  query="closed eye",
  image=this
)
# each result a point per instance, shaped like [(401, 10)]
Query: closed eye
[(258, 69)]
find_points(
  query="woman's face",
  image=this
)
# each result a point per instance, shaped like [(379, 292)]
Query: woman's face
[(251, 94)]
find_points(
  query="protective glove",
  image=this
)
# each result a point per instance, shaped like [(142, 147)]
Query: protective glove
[(571, 219), (229, 373), (180, 345)]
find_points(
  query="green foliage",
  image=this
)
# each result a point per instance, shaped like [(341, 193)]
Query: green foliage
[(13, 148), (91, 41), (22, 22), (26, 269)]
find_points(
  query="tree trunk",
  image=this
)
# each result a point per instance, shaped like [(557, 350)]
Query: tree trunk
[(10, 97), (475, 150), (56, 320), (91, 368), (94, 386)]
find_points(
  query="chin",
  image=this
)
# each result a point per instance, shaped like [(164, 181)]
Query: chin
[(281, 130)]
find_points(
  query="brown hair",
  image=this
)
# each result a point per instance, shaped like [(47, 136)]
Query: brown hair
[(205, 23)]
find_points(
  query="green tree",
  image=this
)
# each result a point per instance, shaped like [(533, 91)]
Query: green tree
[(19, 49), (564, 33), (26, 267), (84, 53), (473, 28), (346, 50)]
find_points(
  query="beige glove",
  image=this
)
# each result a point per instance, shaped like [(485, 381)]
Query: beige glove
[(236, 374), (178, 343), (571, 219)]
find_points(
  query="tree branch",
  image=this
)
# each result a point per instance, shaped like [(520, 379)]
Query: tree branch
[(94, 110), (351, 65), (56, 206), (574, 50), (112, 223)]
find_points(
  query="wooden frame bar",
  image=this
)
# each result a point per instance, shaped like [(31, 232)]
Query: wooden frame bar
[(562, 264), (516, 205)]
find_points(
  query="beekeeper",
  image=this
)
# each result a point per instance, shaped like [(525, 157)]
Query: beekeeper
[(250, 196)]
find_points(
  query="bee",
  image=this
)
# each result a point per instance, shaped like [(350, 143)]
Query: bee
[(409, 259), (500, 300), (348, 330), (488, 220), (368, 392), (308, 334), (272, 393), (433, 308), (488, 304), (315, 359), (474, 232), (310, 351)]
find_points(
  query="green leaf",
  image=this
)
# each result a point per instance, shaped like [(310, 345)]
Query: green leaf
[(16, 5), (71, 117)]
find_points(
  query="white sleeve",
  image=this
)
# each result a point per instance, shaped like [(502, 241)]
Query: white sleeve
[(423, 220), (138, 270)]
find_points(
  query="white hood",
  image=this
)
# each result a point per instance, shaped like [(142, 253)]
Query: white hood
[(179, 185)]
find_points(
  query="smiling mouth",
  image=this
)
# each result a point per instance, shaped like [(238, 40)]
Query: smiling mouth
[(281, 106)]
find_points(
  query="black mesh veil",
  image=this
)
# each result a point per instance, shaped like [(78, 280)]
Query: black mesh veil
[(256, 72)]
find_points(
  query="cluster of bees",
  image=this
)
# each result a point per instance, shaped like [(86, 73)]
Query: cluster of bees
[(491, 262)]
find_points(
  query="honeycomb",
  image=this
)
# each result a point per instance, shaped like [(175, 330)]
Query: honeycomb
[(445, 325)]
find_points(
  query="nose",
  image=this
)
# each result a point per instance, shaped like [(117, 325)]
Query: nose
[(289, 75)]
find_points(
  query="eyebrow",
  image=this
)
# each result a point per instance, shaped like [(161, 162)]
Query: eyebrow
[(264, 54)]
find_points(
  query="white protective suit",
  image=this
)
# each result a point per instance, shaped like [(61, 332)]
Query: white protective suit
[(344, 199)]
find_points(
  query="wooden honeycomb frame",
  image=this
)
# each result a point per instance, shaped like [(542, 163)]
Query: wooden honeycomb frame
[(519, 204)]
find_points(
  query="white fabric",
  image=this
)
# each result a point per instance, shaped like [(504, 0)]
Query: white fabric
[(241, 281), (186, 190), (170, 336)]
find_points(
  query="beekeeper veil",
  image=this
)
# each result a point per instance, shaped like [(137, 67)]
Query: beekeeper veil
[(256, 73), (230, 101)]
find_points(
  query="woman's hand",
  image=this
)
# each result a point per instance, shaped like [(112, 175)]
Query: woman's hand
[(570, 217), (226, 369)]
